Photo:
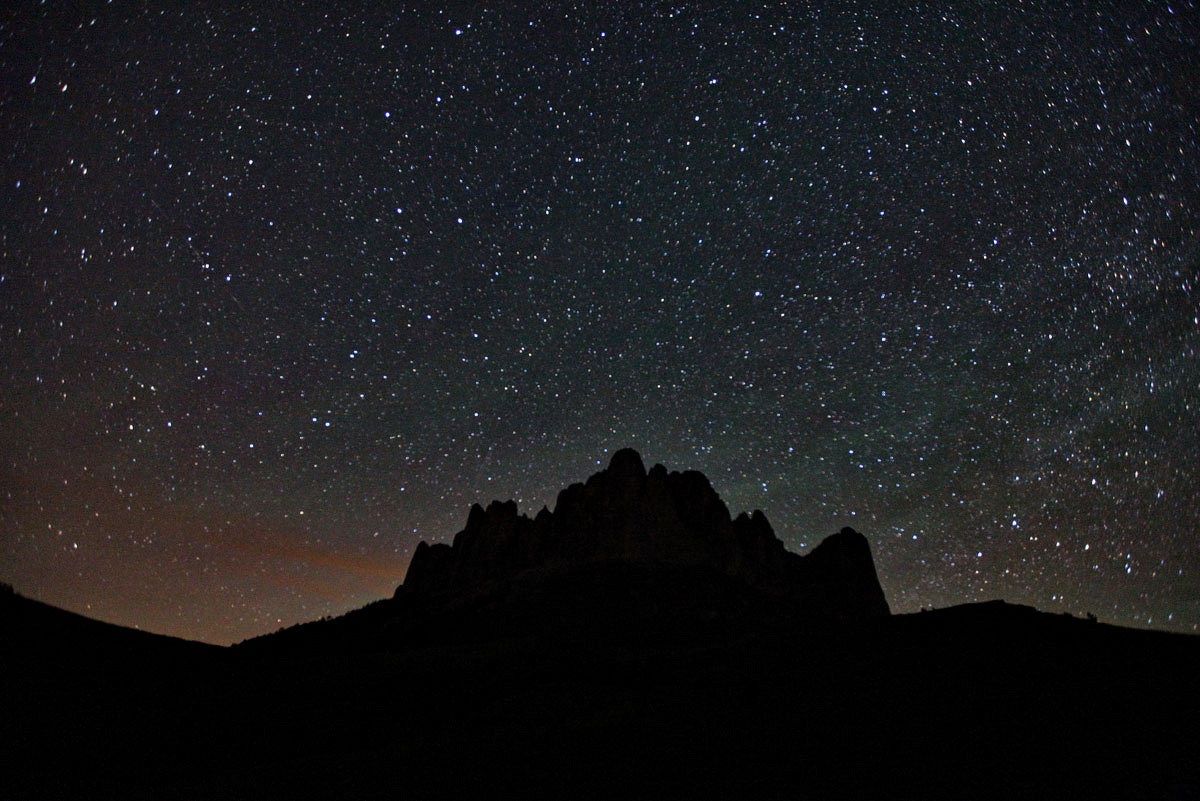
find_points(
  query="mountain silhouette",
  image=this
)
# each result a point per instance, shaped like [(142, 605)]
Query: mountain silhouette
[(635, 642), (625, 514), (628, 555)]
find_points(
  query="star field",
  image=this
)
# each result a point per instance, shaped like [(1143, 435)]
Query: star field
[(283, 291)]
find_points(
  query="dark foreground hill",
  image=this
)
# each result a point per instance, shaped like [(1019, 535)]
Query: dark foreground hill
[(627, 673)]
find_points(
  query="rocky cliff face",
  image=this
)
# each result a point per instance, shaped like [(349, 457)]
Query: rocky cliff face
[(626, 514)]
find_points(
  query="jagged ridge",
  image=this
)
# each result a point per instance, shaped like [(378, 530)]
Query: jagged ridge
[(626, 514)]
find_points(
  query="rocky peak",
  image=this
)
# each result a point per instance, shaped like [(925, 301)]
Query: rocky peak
[(626, 514), (626, 463)]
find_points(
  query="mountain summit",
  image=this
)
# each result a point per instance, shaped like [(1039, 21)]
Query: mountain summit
[(627, 515)]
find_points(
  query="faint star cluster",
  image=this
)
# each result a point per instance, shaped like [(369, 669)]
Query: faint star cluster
[(284, 289)]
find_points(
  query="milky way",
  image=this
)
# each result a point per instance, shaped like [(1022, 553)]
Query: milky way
[(284, 291)]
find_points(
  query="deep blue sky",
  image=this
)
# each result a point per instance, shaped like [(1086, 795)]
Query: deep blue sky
[(283, 291)]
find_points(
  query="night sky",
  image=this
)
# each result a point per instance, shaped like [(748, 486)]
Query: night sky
[(283, 292)]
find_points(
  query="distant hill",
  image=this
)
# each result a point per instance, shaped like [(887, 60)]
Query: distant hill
[(30, 629)]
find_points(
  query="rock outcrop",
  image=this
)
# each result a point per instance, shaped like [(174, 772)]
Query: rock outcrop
[(626, 514)]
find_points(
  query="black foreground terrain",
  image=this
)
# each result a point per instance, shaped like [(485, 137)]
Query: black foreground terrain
[(627, 673)]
